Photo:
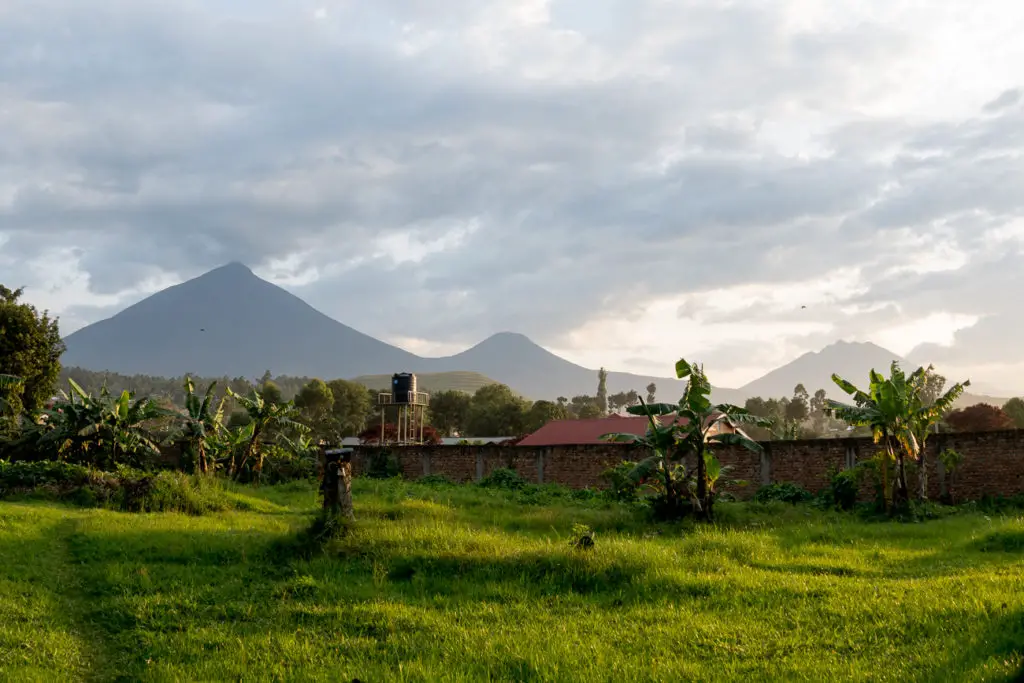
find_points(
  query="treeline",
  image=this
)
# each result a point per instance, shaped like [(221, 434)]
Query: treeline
[(345, 408)]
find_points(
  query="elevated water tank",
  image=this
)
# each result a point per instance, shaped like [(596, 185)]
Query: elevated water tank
[(403, 387)]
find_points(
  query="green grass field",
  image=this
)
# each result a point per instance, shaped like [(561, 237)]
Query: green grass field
[(462, 584)]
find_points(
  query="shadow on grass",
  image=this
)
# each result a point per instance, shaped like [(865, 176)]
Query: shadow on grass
[(996, 647)]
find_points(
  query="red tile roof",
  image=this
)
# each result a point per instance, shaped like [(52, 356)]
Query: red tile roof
[(581, 432)]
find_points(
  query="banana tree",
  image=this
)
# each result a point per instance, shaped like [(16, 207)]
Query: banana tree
[(894, 410), (202, 422), (926, 410), (696, 426), (264, 416), (660, 442), (703, 428), (122, 422)]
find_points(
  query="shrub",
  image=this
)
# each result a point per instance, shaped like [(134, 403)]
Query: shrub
[(127, 489), (785, 492), (503, 478), (842, 489), (621, 486), (282, 465), (435, 480), (383, 464)]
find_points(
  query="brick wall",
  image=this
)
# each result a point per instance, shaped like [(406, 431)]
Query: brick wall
[(993, 462)]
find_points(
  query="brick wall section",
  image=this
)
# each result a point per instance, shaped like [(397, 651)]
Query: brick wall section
[(993, 463)]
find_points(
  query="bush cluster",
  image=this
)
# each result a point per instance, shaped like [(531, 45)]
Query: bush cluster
[(126, 489), (785, 492)]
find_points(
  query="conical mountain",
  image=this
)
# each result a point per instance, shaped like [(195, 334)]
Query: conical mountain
[(850, 360), (229, 322)]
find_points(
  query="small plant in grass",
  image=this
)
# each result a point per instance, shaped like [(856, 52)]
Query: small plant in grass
[(503, 478), (581, 537), (785, 492)]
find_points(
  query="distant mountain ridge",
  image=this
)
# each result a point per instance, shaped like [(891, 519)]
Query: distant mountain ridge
[(231, 322)]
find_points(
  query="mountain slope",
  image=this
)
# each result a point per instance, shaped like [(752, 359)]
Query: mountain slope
[(532, 370), (229, 321), (850, 360)]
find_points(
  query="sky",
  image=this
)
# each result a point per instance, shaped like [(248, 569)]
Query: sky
[(624, 181)]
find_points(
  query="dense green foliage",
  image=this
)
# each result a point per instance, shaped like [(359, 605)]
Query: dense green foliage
[(30, 348), (900, 411), (126, 489), (694, 427), (769, 593)]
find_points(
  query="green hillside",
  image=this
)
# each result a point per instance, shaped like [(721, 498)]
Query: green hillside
[(432, 382)]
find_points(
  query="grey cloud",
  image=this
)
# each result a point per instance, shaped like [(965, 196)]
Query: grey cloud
[(1009, 98), (175, 139)]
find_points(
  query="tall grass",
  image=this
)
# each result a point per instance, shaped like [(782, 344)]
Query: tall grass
[(461, 583)]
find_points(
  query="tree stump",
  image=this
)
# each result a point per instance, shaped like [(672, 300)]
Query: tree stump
[(336, 486)]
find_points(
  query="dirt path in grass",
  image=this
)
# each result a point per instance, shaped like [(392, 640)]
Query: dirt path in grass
[(74, 599)]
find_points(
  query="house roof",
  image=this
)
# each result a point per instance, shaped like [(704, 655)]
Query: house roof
[(581, 432)]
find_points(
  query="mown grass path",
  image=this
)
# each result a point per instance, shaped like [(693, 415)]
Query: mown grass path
[(460, 584)]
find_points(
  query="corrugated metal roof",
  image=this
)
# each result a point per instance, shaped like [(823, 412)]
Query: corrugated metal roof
[(582, 432)]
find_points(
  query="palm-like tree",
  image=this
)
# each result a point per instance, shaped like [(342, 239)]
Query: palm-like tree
[(202, 421), (895, 411), (696, 431), (264, 416)]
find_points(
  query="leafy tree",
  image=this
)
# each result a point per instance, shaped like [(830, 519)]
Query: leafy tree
[(817, 405), (798, 409), (894, 409), (542, 412), (202, 422), (981, 417), (270, 391), (10, 385), (652, 389), (691, 434), (496, 410), (584, 407), (315, 403), (372, 434), (30, 348), (932, 386), (264, 417), (351, 409), (1015, 409), (622, 400), (602, 391), (449, 411)]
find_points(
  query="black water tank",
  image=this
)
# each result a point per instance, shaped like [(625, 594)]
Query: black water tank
[(403, 385)]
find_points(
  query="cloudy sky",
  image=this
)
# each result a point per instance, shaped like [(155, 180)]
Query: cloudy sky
[(625, 181)]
